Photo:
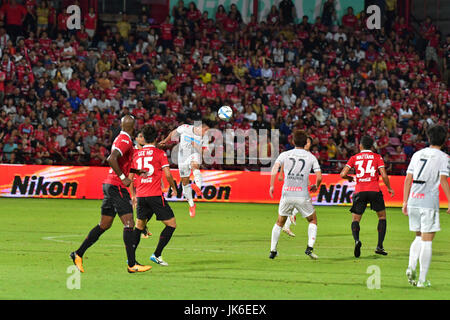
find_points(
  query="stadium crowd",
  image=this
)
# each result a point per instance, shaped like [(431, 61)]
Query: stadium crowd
[(63, 91)]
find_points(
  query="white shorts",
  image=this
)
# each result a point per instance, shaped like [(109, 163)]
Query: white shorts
[(303, 205), (423, 219), (185, 168)]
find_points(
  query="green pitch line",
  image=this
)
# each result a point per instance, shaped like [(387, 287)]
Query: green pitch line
[(222, 253)]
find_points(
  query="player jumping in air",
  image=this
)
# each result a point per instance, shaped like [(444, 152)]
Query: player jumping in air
[(150, 198), (428, 168), (189, 158), (367, 165), (297, 164), (116, 199)]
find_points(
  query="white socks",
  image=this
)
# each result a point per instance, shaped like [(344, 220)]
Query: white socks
[(198, 178), (288, 223), (414, 252), (275, 236), (187, 191), (312, 233), (425, 259)]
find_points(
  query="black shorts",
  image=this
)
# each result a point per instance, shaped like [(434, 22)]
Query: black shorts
[(361, 199), (116, 200), (147, 206)]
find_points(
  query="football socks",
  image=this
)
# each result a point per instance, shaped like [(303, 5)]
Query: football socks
[(312, 233), (275, 236), (414, 252), (92, 237), (425, 259), (381, 232), (164, 239), (355, 230)]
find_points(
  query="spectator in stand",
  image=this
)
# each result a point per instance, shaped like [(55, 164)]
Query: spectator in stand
[(15, 15), (349, 21), (90, 23), (43, 13)]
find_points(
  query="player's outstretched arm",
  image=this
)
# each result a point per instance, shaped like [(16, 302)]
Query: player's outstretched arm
[(114, 164), (385, 178), (273, 175), (172, 135), (406, 191), (446, 188), (169, 178)]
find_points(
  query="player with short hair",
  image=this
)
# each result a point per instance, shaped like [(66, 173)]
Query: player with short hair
[(150, 198), (293, 218), (140, 142), (368, 166), (116, 198), (297, 164), (189, 158), (428, 168)]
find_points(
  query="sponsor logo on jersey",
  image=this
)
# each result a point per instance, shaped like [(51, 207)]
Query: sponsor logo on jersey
[(417, 195)]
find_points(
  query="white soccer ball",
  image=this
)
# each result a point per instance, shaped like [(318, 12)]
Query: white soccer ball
[(225, 113)]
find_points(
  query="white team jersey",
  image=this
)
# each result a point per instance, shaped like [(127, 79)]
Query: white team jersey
[(426, 167), (297, 165), (186, 150)]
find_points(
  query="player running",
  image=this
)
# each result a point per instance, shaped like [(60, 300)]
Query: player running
[(189, 158), (139, 144), (428, 168), (150, 199), (297, 164), (116, 199), (367, 165)]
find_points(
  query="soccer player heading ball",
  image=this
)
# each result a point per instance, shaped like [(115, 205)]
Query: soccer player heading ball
[(189, 158), (368, 165), (428, 168)]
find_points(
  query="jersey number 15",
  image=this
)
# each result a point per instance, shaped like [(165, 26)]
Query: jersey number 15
[(144, 163)]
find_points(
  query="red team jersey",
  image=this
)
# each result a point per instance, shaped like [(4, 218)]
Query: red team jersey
[(124, 145), (366, 164), (153, 160)]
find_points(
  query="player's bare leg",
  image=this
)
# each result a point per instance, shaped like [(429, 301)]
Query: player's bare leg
[(187, 191), (198, 180), (312, 234), (381, 232), (129, 238), (425, 258), (94, 234), (356, 219), (414, 253), (164, 239), (276, 235)]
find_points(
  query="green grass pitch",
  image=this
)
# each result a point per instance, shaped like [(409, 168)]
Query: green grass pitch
[(222, 253)]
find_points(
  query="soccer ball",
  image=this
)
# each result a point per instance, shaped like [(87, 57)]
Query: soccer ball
[(225, 113)]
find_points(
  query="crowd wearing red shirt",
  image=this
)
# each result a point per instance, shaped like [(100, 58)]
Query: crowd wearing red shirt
[(63, 93)]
